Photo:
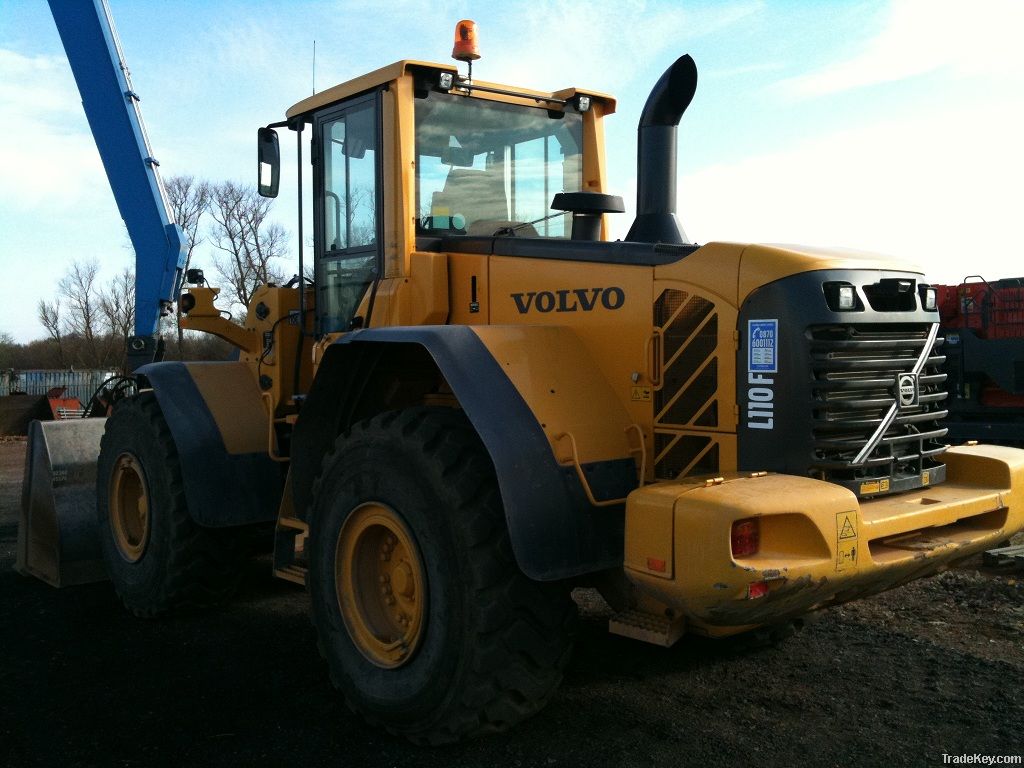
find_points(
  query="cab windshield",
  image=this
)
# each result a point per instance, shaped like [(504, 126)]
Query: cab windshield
[(489, 168)]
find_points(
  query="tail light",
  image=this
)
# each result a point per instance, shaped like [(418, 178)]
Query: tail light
[(746, 537), (757, 589)]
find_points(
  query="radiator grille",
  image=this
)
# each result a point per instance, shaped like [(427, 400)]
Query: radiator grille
[(855, 372), (688, 396), (679, 455)]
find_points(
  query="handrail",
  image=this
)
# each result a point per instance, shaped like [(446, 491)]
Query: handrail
[(271, 434), (652, 362), (574, 460)]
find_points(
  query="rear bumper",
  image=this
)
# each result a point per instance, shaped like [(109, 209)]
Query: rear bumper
[(819, 545)]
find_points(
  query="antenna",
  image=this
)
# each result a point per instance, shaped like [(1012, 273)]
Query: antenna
[(314, 67)]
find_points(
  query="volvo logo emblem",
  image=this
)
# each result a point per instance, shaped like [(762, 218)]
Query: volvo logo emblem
[(907, 390)]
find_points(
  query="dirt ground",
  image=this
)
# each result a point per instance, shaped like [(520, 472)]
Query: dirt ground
[(896, 680)]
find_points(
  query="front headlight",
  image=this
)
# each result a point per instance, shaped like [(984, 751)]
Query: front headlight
[(841, 297), (928, 298)]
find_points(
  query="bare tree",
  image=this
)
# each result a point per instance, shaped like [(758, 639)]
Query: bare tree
[(49, 316), (90, 323), (361, 221), (7, 350), (117, 304), (80, 297), (190, 201), (250, 244)]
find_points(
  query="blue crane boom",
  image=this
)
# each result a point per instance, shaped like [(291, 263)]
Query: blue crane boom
[(112, 108)]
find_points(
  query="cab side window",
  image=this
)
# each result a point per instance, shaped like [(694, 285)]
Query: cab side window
[(348, 212)]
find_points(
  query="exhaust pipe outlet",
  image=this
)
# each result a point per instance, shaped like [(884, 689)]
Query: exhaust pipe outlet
[(656, 220)]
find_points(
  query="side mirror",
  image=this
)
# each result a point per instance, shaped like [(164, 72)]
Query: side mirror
[(269, 165)]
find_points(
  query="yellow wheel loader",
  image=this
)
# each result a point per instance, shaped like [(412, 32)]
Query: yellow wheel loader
[(480, 402)]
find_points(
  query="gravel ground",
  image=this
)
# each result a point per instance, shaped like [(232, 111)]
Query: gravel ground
[(896, 680)]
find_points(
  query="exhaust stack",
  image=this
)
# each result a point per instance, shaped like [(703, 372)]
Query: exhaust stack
[(656, 220)]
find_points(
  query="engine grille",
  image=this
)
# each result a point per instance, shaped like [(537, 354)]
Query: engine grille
[(856, 373), (686, 405)]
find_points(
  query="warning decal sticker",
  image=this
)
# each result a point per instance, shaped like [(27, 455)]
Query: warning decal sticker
[(642, 394), (874, 486), (763, 346), (846, 540)]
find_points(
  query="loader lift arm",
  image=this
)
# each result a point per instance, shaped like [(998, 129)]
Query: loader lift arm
[(112, 108)]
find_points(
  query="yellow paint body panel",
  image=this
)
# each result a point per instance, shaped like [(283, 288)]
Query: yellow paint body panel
[(419, 299), (268, 316), (762, 264), (818, 545), (233, 397), (715, 267), (614, 339), (399, 69), (562, 385)]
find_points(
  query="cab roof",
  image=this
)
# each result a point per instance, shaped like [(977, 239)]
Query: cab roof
[(399, 68)]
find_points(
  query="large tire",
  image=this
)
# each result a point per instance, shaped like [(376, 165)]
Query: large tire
[(491, 643), (159, 558)]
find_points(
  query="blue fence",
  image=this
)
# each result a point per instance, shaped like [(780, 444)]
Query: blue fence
[(80, 384)]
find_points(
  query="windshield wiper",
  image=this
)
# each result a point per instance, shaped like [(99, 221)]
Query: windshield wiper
[(512, 230)]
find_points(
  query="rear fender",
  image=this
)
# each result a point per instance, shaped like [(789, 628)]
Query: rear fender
[(521, 387), (219, 425)]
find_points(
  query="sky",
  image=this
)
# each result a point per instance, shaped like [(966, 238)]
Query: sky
[(888, 126)]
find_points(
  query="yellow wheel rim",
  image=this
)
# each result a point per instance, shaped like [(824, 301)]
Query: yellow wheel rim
[(382, 591), (129, 507)]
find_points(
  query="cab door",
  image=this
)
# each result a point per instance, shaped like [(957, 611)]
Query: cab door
[(347, 220)]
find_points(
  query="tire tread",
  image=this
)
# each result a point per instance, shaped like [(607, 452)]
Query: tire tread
[(524, 636), (201, 567)]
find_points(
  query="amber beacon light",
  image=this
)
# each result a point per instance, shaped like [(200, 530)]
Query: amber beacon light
[(466, 48)]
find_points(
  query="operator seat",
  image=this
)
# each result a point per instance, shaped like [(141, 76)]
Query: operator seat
[(479, 196)]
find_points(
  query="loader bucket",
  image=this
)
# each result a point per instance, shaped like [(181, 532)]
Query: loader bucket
[(57, 538)]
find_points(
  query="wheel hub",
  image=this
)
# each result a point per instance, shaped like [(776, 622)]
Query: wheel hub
[(380, 584), (129, 507)]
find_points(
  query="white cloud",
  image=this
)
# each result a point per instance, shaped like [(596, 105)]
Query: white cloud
[(552, 49), (743, 69), (941, 190), (922, 36), (48, 151), (55, 203)]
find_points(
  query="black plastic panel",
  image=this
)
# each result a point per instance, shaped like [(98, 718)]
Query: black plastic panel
[(836, 379)]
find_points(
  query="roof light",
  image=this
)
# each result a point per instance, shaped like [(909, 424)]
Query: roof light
[(582, 103), (445, 80), (466, 48)]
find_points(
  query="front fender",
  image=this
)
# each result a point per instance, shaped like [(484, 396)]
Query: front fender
[(520, 386), (219, 426)]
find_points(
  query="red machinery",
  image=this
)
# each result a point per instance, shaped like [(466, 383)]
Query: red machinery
[(983, 323)]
